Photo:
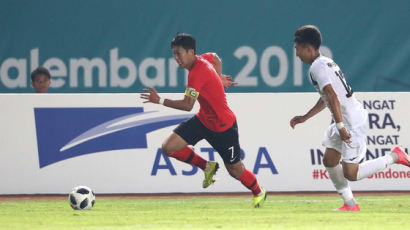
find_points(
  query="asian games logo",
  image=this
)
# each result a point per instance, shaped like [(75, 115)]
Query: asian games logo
[(63, 133)]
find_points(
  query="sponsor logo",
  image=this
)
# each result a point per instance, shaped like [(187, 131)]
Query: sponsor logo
[(352, 159), (63, 133)]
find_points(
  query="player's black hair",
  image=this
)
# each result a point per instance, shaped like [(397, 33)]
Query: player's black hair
[(187, 41), (38, 71), (308, 34)]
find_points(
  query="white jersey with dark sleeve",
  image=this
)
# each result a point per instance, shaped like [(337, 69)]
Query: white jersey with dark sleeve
[(324, 71)]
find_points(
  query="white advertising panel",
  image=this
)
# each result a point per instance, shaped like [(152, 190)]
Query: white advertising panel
[(112, 143)]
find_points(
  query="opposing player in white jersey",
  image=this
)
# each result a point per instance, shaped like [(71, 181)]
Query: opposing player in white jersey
[(345, 138)]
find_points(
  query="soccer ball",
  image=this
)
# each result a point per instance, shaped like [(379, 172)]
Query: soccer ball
[(81, 198)]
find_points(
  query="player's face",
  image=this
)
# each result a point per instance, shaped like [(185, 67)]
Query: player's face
[(303, 52), (182, 56), (41, 83)]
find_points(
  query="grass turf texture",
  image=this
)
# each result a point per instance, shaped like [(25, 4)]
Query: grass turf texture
[(279, 212)]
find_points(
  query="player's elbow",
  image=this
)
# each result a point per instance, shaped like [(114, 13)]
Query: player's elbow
[(188, 103), (187, 107), (332, 98)]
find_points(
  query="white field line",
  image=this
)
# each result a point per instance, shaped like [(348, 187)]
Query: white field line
[(179, 201)]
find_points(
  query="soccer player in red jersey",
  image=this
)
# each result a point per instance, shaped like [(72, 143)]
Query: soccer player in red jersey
[(215, 122)]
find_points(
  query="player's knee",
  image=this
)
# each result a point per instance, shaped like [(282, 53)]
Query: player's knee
[(166, 149), (235, 172)]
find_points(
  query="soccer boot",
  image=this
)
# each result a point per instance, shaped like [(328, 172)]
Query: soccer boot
[(346, 207), (403, 158), (209, 174), (259, 200)]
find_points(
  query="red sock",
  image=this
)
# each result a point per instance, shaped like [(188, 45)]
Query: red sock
[(189, 156), (249, 180)]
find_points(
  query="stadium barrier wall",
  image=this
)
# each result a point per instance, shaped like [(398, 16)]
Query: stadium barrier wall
[(112, 143), (102, 46)]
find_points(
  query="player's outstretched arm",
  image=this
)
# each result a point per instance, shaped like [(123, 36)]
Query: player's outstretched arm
[(151, 96), (226, 79), (185, 104), (318, 107)]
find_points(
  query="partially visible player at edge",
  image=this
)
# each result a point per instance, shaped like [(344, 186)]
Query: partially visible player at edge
[(215, 122), (346, 137)]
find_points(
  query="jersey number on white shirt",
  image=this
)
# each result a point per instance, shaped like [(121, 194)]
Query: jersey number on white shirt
[(347, 86)]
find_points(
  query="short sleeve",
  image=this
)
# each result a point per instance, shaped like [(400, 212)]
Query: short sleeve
[(320, 73), (208, 56), (195, 81)]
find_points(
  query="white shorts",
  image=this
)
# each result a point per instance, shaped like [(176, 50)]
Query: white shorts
[(352, 152)]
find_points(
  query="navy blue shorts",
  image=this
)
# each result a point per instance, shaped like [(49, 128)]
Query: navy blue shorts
[(225, 143)]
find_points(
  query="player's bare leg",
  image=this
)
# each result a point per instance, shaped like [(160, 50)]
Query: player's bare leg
[(172, 144), (331, 160), (248, 179), (235, 170), (350, 170), (355, 172), (175, 146)]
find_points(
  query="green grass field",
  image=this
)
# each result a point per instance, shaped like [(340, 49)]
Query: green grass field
[(279, 212)]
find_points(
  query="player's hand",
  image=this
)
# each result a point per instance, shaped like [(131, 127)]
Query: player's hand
[(345, 135), (152, 96), (227, 81), (296, 120)]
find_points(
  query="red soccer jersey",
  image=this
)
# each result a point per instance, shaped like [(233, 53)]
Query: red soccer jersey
[(214, 111)]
